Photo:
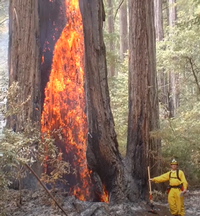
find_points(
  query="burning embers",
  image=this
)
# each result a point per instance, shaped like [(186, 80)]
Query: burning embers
[(64, 101)]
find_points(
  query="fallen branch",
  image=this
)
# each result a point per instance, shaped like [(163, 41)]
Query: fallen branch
[(32, 171)]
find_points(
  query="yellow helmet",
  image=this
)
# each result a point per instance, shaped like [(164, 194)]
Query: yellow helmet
[(174, 162)]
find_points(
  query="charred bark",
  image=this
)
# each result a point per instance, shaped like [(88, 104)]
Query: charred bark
[(52, 21), (102, 153), (142, 149)]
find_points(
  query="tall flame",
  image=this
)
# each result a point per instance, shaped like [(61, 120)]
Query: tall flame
[(64, 102)]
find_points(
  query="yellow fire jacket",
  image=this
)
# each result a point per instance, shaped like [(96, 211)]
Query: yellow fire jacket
[(173, 180)]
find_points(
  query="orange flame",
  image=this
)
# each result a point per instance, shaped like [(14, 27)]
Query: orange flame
[(42, 59), (64, 102), (104, 196)]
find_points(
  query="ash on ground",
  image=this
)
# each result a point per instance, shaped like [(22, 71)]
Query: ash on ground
[(39, 204)]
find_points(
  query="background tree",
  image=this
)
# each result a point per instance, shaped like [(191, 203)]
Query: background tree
[(162, 75), (111, 29), (173, 77), (3, 44), (178, 53), (123, 17)]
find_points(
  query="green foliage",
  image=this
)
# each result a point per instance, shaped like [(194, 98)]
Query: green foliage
[(180, 138), (26, 147), (59, 168), (16, 148), (52, 160), (119, 104), (179, 52), (113, 55)]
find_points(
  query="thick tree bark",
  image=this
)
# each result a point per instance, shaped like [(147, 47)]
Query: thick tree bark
[(123, 18), (102, 153), (142, 149), (24, 59), (24, 67), (34, 28)]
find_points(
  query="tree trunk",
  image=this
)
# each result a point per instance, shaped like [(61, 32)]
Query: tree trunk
[(123, 18), (32, 37), (24, 68), (102, 153), (34, 28), (142, 148), (158, 20), (111, 29), (24, 60), (173, 78)]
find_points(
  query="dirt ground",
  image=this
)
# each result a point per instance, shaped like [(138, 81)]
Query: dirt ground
[(38, 204)]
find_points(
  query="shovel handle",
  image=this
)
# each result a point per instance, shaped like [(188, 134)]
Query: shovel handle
[(150, 191)]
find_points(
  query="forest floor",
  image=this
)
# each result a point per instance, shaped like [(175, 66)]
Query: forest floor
[(38, 204)]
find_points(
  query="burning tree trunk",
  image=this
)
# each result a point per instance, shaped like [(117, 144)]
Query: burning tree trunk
[(102, 153), (34, 28), (64, 102), (52, 21), (61, 58)]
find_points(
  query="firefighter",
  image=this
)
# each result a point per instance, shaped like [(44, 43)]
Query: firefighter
[(177, 187)]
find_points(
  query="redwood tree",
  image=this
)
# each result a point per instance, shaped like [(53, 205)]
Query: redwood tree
[(142, 149), (102, 153), (123, 19), (24, 59), (123, 179)]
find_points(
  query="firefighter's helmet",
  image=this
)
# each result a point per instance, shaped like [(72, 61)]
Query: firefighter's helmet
[(174, 162)]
